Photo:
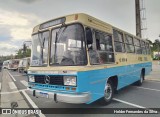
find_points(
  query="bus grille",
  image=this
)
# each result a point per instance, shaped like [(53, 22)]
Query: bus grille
[(54, 80)]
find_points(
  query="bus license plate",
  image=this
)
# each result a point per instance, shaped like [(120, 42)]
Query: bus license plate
[(43, 94)]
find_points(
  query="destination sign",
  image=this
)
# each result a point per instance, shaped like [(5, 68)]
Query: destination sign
[(52, 23)]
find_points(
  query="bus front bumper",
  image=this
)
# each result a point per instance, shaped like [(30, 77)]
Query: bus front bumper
[(75, 98)]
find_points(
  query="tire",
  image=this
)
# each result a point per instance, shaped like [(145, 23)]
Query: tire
[(108, 94), (140, 82)]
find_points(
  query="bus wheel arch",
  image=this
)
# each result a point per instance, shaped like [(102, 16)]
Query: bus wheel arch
[(143, 73), (114, 80), (142, 77), (109, 89)]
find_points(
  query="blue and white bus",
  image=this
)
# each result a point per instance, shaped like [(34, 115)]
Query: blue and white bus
[(80, 59)]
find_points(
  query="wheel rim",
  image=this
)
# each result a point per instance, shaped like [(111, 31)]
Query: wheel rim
[(108, 92)]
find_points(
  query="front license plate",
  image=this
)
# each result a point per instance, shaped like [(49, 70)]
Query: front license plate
[(43, 94)]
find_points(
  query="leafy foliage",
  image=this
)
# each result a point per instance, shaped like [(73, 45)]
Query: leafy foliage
[(22, 54), (155, 46)]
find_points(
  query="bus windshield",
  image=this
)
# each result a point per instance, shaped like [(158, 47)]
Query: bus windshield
[(39, 53), (68, 46)]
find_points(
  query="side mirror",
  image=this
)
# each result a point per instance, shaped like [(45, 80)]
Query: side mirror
[(89, 36)]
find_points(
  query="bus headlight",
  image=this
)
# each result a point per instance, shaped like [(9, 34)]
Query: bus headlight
[(70, 80), (31, 78)]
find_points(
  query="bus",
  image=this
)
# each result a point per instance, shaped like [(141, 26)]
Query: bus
[(80, 59), (13, 64), (24, 65)]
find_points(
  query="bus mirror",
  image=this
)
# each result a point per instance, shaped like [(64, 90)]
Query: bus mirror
[(89, 36)]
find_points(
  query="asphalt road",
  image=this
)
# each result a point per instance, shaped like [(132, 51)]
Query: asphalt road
[(146, 96)]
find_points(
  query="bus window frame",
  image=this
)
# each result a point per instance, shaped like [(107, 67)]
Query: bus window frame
[(41, 31), (94, 43), (85, 42), (135, 45), (143, 47), (122, 43), (126, 43), (148, 51)]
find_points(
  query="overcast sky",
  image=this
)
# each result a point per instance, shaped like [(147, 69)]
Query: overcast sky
[(18, 17)]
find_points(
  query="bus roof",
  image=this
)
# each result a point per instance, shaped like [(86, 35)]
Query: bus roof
[(80, 18), (83, 18)]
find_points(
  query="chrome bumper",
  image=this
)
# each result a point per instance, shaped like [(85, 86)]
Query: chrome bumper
[(61, 97)]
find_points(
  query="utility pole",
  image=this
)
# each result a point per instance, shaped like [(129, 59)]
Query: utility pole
[(138, 19), (141, 23)]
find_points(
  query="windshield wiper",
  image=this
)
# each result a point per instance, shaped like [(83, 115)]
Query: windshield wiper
[(41, 44), (58, 35), (42, 47)]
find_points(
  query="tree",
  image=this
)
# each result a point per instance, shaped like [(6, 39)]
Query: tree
[(21, 54), (156, 47), (150, 42), (28, 52)]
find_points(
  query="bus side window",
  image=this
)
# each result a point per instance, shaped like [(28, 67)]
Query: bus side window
[(98, 44), (104, 47)]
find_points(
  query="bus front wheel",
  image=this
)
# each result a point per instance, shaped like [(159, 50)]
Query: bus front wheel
[(108, 93)]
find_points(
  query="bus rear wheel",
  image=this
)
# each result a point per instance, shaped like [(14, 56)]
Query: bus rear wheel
[(139, 82), (108, 93)]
